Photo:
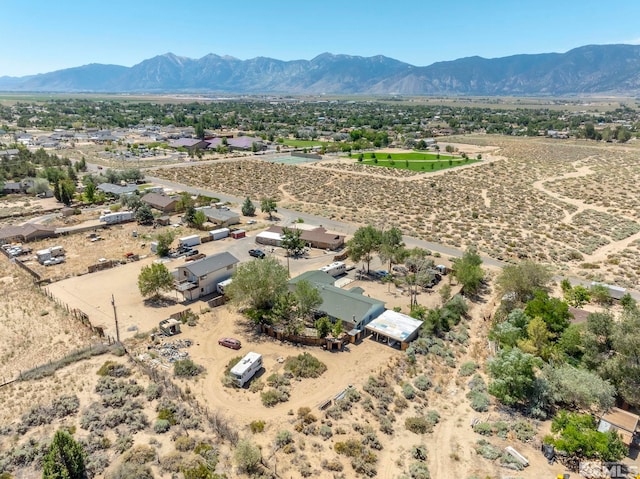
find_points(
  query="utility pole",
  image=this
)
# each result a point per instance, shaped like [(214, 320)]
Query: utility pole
[(115, 315)]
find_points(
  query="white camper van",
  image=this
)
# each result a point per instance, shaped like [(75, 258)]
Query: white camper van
[(246, 368), (223, 284), (335, 269)]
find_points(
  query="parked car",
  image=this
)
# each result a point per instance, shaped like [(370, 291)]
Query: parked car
[(52, 261), (257, 253), (380, 273), (251, 222), (230, 343), (192, 252)]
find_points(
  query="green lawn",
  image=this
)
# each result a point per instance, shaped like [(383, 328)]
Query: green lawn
[(420, 165), (415, 161), (414, 155)]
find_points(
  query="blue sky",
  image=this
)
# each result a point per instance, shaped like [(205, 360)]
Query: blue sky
[(44, 35)]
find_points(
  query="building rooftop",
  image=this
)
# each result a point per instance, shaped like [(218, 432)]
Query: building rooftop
[(395, 325), (210, 264), (117, 189), (314, 276), (158, 200)]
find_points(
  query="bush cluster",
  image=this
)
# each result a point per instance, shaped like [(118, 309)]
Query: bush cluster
[(304, 366)]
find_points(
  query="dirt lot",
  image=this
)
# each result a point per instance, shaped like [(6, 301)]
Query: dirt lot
[(34, 329)]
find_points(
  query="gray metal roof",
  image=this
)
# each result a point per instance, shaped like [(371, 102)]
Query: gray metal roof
[(211, 264), (116, 189)]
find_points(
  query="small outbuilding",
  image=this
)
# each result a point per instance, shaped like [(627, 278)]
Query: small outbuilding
[(170, 326), (269, 238), (621, 421), (394, 328)]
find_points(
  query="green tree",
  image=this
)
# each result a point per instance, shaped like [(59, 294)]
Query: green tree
[(269, 206), (65, 459), (337, 328), (323, 326), (623, 366), (247, 456), (553, 311), (579, 388), (577, 296), (257, 284), (307, 298), (199, 219), (366, 240), (184, 202), (90, 192), (144, 215), (292, 242), (392, 248), (467, 270), (199, 131), (598, 340), (513, 374), (537, 340), (577, 435), (248, 208), (190, 215), (153, 279), (600, 294), (40, 186), (164, 243), (524, 279), (66, 189)]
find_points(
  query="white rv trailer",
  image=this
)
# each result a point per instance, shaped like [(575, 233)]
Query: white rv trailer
[(246, 368)]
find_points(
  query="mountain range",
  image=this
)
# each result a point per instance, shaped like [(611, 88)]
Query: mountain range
[(591, 69)]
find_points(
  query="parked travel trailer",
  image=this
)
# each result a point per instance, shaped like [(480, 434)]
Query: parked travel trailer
[(49, 253), (189, 240), (223, 284), (117, 217), (335, 269), (246, 368)]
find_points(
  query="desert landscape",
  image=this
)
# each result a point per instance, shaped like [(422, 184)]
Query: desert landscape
[(375, 410), (573, 216)]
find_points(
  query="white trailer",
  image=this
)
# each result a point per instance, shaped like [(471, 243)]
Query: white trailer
[(154, 246), (246, 368), (223, 284), (117, 217), (192, 240), (335, 269), (49, 253), (219, 233)]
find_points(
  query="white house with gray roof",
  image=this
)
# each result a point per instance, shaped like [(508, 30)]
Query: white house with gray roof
[(200, 278)]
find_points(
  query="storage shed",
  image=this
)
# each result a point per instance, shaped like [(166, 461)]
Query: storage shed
[(237, 234), (219, 234)]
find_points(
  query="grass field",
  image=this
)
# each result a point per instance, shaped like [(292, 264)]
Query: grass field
[(415, 161), (414, 155)]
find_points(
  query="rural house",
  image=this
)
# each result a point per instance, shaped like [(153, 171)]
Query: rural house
[(161, 202), (220, 217), (189, 144), (26, 232), (110, 189), (351, 306), (200, 278), (314, 237)]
